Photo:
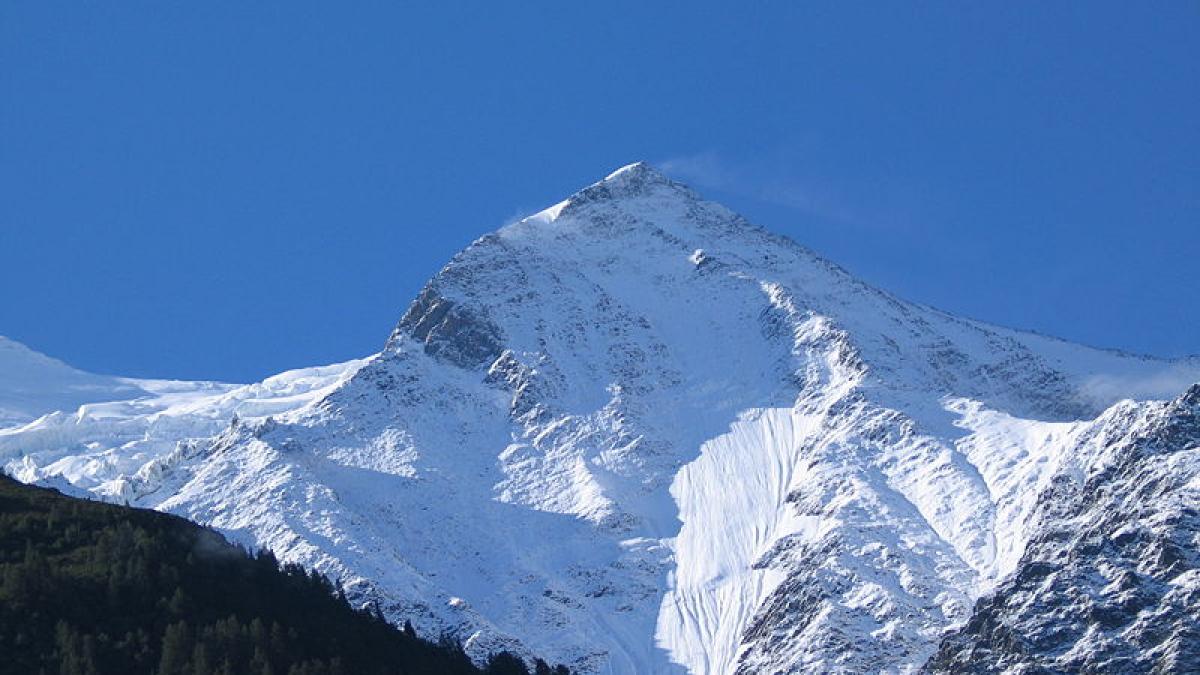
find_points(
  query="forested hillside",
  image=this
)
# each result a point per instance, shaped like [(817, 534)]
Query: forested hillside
[(93, 588)]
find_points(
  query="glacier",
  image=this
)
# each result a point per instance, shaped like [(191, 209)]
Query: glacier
[(636, 433)]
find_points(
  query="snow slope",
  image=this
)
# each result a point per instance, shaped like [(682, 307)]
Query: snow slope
[(638, 434), (33, 384), (115, 436)]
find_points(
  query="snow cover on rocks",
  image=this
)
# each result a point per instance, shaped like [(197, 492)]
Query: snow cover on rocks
[(637, 434), (1110, 577)]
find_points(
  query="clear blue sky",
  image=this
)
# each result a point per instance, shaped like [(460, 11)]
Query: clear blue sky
[(224, 191)]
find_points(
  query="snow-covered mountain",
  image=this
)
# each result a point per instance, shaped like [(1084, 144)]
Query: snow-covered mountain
[(638, 434)]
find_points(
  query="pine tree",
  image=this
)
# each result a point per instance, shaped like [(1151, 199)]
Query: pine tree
[(200, 660), (176, 649)]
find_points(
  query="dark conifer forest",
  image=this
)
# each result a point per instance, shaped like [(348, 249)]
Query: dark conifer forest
[(88, 588)]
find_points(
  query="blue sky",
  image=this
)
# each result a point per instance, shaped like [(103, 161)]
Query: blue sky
[(223, 191)]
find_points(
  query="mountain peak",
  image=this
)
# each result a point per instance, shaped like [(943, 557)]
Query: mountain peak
[(638, 179), (641, 171), (632, 180)]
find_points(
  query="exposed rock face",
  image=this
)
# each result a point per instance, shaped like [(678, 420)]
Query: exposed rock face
[(637, 434), (451, 333)]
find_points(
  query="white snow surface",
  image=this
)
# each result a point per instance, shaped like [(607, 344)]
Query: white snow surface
[(636, 434), (33, 384)]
